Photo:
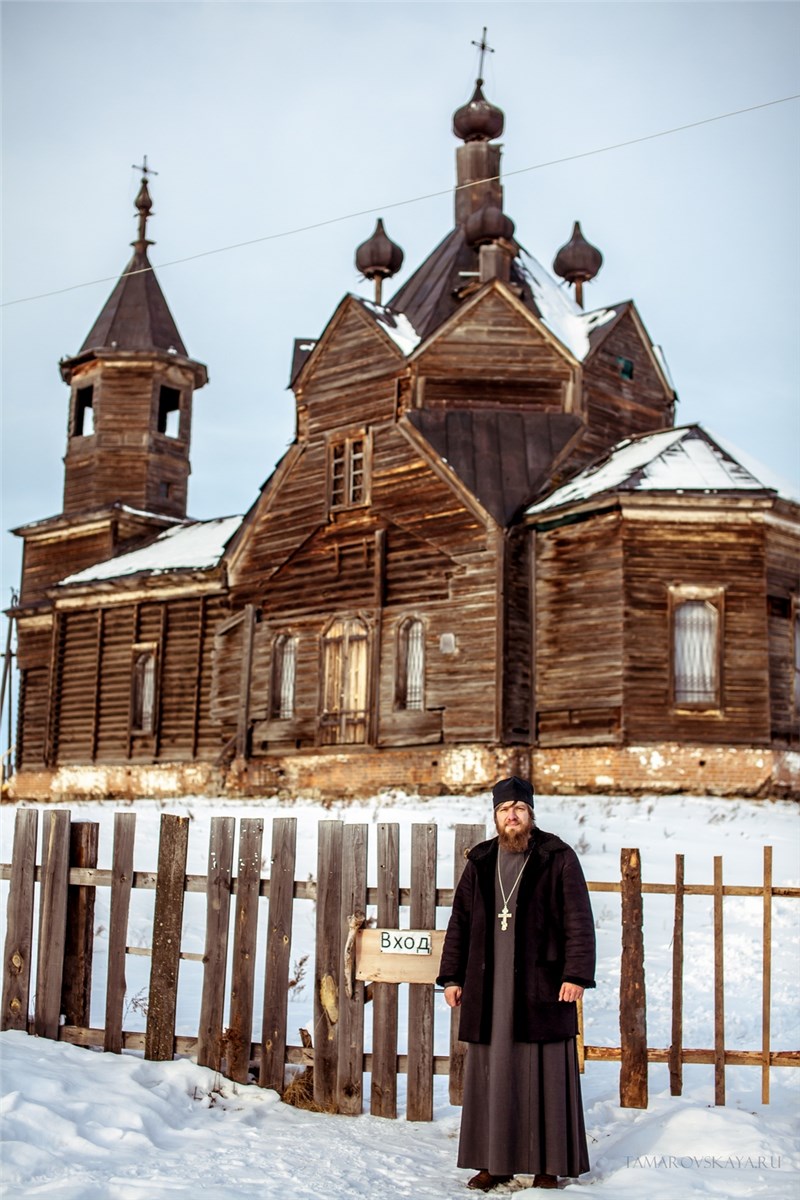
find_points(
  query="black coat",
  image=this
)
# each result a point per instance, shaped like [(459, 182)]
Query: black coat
[(553, 941)]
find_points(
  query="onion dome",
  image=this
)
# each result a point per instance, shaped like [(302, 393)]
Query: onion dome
[(478, 121), (379, 257), (578, 261), (488, 224)]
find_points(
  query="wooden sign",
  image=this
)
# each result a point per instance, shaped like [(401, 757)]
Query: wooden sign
[(398, 955)]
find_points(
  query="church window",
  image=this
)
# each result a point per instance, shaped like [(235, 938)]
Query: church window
[(345, 679), (169, 411), (83, 414), (348, 469), (410, 673), (696, 659), (284, 669), (143, 708), (625, 367)]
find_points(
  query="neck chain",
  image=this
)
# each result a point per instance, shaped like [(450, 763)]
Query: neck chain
[(504, 915)]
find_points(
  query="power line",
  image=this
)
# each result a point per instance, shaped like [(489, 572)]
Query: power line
[(365, 212)]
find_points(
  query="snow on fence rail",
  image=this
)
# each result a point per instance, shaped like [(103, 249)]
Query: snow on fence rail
[(68, 877)]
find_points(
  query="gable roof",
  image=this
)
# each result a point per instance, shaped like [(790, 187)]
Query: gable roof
[(503, 458), (196, 546), (679, 460)]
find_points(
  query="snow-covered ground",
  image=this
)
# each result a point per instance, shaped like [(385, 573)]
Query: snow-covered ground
[(82, 1124)]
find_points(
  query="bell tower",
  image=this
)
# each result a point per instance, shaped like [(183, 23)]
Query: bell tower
[(131, 389)]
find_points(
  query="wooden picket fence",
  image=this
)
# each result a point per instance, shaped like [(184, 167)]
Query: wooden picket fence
[(68, 876)]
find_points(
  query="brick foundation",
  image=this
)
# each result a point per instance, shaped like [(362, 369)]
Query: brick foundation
[(431, 771)]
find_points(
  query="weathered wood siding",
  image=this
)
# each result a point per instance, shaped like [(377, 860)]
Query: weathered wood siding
[(720, 553), (616, 407), (783, 597), (33, 660), (579, 624), (517, 636), (45, 561)]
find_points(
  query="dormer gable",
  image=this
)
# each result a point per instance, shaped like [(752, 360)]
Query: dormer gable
[(354, 344)]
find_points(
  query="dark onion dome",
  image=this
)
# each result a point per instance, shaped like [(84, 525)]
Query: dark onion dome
[(578, 261), (488, 224), (478, 121), (379, 257)]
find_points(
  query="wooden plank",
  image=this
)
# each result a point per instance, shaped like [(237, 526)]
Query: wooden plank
[(419, 1105), (719, 988), (52, 923), (215, 957), (167, 927), (466, 836), (198, 674), (279, 948), (766, 973), (76, 985), (349, 1073), (243, 711), (19, 922), (327, 962), (382, 966), (632, 997), (251, 833), (383, 1083), (676, 1045), (121, 883)]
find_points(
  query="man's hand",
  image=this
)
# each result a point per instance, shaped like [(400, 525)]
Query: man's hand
[(570, 991), (453, 996)]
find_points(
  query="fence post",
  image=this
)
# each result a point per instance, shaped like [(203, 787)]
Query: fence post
[(766, 975), (466, 836), (76, 985), (248, 887), (676, 1044), (419, 1105), (327, 963), (383, 1088), (167, 926), (215, 954), (719, 988), (19, 928), (52, 923), (632, 996), (279, 949), (350, 1066), (121, 884)]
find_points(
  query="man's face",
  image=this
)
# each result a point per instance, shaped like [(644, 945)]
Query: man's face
[(514, 821)]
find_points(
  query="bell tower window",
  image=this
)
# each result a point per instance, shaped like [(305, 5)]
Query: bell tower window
[(169, 411), (83, 413)]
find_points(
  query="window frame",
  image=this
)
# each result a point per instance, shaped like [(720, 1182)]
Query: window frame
[(280, 642), (79, 409), (402, 647), (139, 727), (680, 594), (336, 639), (347, 442)]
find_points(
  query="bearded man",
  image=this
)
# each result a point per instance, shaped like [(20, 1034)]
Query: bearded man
[(518, 953)]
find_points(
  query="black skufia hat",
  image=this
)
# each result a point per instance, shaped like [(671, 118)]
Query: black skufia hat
[(511, 790)]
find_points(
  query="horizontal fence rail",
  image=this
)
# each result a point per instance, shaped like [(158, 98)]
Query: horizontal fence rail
[(67, 877)]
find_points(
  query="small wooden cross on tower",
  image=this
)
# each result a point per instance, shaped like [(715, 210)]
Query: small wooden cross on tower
[(149, 170), (483, 46)]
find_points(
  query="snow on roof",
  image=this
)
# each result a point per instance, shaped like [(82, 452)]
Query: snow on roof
[(396, 324), (195, 546), (560, 313), (674, 460)]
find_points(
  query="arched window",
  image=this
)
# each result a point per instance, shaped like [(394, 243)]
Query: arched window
[(410, 671), (284, 669), (345, 682), (143, 707), (696, 652)]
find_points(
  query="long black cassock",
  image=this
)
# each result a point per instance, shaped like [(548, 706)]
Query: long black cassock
[(522, 1111)]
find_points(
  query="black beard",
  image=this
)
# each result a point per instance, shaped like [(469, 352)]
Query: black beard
[(515, 840)]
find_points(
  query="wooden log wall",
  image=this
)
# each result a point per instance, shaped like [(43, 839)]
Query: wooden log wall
[(34, 645), (579, 623), (48, 559), (729, 555), (783, 605), (342, 897)]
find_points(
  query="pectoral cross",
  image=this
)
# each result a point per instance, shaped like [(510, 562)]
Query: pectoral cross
[(505, 916)]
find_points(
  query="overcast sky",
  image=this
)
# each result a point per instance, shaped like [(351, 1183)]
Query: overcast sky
[(263, 117)]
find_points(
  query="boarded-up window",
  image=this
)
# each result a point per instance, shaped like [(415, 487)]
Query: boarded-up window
[(696, 649), (143, 706), (348, 472), (345, 676), (410, 672), (284, 666)]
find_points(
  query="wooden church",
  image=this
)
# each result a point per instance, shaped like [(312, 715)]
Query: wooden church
[(487, 551)]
